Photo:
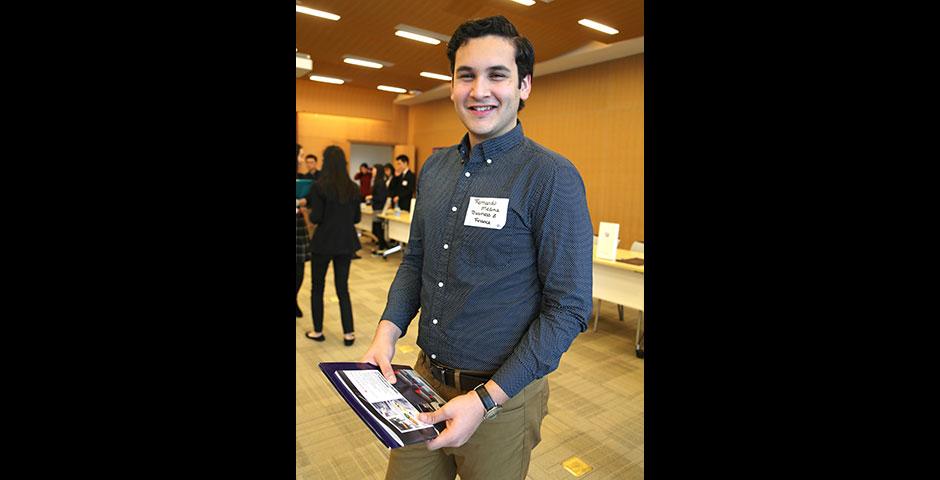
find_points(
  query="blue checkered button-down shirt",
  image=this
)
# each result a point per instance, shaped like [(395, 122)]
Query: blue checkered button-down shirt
[(508, 299)]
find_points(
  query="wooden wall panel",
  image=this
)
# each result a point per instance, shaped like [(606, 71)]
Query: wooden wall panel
[(430, 125), (345, 115), (345, 100), (591, 115)]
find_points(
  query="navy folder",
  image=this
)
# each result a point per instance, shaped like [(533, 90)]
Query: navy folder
[(393, 425)]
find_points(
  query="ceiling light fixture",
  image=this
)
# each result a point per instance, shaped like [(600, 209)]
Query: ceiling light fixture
[(392, 89), (415, 36), (527, 3), (362, 63), (304, 64), (365, 62), (435, 76), (420, 34), (598, 26), (336, 81), (318, 13)]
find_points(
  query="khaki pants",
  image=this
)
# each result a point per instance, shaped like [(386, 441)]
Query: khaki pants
[(500, 449)]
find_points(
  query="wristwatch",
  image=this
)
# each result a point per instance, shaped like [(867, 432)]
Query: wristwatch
[(492, 409)]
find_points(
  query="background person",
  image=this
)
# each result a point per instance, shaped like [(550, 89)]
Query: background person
[(335, 210)]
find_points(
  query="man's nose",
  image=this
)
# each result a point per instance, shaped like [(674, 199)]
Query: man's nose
[(480, 88)]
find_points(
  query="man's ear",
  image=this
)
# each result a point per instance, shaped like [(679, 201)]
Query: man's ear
[(526, 87)]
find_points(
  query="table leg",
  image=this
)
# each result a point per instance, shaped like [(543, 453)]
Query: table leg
[(597, 313), (639, 329)]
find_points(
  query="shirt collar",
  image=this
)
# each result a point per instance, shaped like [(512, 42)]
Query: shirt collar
[(493, 147)]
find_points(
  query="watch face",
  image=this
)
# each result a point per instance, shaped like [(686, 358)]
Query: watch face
[(492, 412)]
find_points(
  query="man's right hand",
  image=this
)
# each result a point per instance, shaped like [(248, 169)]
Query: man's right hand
[(382, 349)]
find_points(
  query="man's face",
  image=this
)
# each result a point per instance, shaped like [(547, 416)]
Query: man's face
[(485, 89), (313, 164), (399, 166)]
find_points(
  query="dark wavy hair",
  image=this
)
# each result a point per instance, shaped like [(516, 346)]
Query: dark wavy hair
[(499, 26), (334, 180), (379, 174)]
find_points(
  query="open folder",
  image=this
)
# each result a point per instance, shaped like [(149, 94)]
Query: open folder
[(389, 410), (303, 187)]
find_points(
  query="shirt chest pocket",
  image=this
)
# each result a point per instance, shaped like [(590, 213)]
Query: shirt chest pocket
[(490, 247)]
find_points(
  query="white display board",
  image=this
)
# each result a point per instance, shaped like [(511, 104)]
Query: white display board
[(607, 240)]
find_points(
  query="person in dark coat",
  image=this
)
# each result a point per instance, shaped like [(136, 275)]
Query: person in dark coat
[(335, 211), (302, 238), (377, 200), (402, 187), (313, 167)]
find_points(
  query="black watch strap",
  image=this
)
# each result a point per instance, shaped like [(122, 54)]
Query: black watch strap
[(488, 403)]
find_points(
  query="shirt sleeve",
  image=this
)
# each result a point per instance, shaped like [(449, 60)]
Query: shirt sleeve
[(563, 234), (404, 296)]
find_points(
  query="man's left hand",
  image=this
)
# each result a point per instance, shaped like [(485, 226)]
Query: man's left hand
[(463, 414)]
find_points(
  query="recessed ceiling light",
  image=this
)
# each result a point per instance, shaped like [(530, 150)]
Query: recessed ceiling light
[(391, 89), (415, 36), (362, 62), (598, 26), (318, 78), (420, 34), (435, 76), (317, 13), (527, 3)]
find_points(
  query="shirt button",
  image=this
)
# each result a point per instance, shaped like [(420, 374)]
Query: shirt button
[(434, 321), (466, 174), (489, 161), (433, 356), (445, 246), (453, 209), (440, 284)]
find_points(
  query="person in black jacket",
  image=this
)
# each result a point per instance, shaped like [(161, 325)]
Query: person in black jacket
[(336, 212), (377, 200), (302, 239), (402, 187), (313, 167)]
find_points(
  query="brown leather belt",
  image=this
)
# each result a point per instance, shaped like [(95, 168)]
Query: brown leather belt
[(463, 380)]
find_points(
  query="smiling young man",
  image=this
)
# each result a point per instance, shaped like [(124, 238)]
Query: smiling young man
[(499, 264)]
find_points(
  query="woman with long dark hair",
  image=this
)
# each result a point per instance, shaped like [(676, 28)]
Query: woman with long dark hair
[(335, 210)]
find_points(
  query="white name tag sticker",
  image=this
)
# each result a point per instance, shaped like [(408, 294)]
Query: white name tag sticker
[(487, 212)]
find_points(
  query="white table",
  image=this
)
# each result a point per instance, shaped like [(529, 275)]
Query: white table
[(399, 226), (620, 283), (366, 222)]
